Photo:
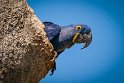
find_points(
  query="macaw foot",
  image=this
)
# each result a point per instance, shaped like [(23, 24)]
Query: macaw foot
[(53, 69), (54, 66)]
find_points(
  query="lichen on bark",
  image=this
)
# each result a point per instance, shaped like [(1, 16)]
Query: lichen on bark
[(25, 51)]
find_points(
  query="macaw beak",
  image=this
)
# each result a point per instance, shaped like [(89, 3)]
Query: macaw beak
[(87, 38)]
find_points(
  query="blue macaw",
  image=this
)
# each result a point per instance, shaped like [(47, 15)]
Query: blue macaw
[(62, 37)]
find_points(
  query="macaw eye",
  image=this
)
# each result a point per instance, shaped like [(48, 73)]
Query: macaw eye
[(78, 28)]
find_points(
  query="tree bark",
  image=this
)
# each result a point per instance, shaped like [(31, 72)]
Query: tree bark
[(25, 51)]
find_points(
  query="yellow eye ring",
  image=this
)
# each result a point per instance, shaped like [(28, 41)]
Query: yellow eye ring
[(78, 28)]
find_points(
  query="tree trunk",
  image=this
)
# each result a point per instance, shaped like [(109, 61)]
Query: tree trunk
[(25, 51)]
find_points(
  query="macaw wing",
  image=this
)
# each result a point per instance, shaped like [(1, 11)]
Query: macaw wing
[(51, 29)]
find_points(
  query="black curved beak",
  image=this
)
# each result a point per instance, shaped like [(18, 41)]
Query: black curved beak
[(87, 38)]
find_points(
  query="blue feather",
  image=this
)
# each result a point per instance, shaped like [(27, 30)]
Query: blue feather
[(51, 29)]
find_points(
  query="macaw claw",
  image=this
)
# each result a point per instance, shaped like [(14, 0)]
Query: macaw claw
[(54, 66)]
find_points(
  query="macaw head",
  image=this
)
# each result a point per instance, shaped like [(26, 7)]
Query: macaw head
[(82, 34)]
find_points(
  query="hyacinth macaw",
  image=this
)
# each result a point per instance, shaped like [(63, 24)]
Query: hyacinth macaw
[(62, 37)]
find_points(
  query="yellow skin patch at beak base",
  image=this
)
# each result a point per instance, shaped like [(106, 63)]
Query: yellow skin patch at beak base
[(76, 35)]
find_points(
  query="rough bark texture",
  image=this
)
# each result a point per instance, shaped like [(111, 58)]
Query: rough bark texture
[(25, 51)]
